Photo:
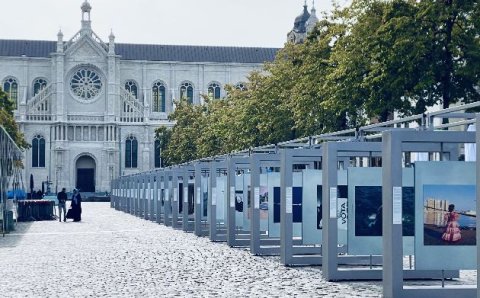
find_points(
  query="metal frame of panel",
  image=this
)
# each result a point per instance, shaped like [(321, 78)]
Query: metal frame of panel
[(200, 226), (159, 195), (292, 252), (140, 203), (331, 259), (187, 224), (260, 244), (394, 143), (153, 196), (217, 233), (130, 195), (113, 197), (145, 195), (136, 186), (168, 202), (235, 237), (177, 173)]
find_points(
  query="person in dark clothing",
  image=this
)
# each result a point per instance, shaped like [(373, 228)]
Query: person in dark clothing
[(62, 202), (76, 205)]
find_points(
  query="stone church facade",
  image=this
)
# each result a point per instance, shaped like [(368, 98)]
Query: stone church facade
[(90, 108)]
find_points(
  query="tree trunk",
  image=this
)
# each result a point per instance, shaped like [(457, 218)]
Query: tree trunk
[(446, 78)]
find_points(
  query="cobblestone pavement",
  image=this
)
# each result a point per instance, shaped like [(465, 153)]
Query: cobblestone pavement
[(112, 254)]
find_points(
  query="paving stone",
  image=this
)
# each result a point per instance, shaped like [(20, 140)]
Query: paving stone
[(113, 254)]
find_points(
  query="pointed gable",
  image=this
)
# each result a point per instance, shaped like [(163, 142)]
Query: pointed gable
[(86, 47)]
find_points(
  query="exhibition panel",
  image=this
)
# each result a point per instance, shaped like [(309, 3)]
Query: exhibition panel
[(394, 144), (201, 198), (294, 165), (188, 204), (312, 207), (365, 210), (217, 200), (359, 250), (238, 182), (160, 196), (445, 217), (168, 197), (260, 242)]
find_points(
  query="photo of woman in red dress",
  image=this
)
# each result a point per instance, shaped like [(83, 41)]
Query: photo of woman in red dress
[(452, 229)]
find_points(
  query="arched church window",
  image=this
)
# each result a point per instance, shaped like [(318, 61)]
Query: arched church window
[(241, 86), (38, 152), (158, 93), (131, 87), (214, 90), (86, 84), (10, 86), (186, 91), (131, 152), (39, 85), (157, 152)]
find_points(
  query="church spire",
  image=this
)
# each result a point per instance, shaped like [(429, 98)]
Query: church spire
[(86, 22), (60, 41), (111, 43), (312, 20)]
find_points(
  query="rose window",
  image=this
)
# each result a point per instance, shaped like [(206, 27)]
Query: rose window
[(86, 84)]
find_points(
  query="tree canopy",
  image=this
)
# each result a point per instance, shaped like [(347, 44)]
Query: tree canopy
[(362, 62), (7, 120)]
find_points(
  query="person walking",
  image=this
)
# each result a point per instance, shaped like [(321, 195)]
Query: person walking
[(76, 205), (62, 202)]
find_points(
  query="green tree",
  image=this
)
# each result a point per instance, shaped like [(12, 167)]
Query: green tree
[(405, 55), (363, 62), (7, 120), (217, 134), (452, 49), (164, 134), (182, 140), (260, 113), (314, 112)]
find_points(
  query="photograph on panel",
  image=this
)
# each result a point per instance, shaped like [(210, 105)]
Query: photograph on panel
[(449, 214)]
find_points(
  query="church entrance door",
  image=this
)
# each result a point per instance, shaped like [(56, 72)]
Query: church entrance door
[(86, 174)]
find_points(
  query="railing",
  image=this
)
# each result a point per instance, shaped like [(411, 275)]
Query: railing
[(38, 108), (85, 118), (158, 116), (72, 40), (131, 110), (100, 41), (39, 117), (77, 36), (40, 97)]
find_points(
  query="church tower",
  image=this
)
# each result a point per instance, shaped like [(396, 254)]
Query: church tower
[(86, 21), (312, 20), (304, 23)]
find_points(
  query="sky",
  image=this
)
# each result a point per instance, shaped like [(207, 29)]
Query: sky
[(248, 23), (463, 196)]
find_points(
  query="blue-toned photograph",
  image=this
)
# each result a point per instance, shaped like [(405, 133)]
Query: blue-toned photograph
[(297, 197), (449, 215), (205, 203), (368, 211), (191, 199), (239, 200)]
